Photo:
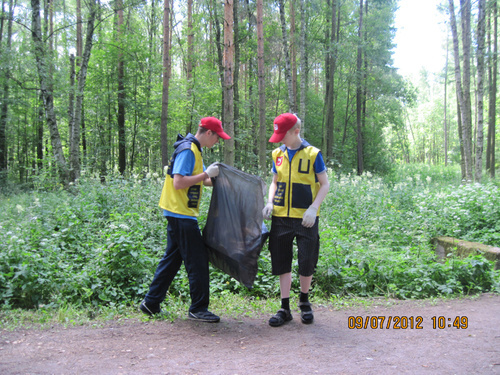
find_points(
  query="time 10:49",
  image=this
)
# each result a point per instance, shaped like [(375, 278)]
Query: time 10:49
[(441, 322)]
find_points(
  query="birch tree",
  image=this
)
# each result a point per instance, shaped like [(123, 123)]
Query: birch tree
[(481, 29), (228, 61), (493, 66), (262, 86), (166, 82), (359, 94), (288, 76), (45, 79), (81, 80)]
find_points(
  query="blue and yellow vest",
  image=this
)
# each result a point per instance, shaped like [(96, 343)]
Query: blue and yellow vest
[(183, 201), (297, 183)]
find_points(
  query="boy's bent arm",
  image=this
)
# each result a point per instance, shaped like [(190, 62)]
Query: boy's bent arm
[(272, 189), (182, 182)]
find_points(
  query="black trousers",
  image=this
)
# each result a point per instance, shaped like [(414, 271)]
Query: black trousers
[(184, 244)]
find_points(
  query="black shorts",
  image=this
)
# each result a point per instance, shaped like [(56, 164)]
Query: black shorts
[(283, 231)]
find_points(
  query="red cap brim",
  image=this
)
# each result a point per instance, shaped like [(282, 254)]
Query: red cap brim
[(277, 137), (223, 135)]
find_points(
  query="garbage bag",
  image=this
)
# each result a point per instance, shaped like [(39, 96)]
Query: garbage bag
[(235, 232)]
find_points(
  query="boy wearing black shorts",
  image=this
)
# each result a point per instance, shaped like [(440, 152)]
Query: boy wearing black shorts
[(300, 184)]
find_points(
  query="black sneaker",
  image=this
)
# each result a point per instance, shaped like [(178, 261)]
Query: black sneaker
[(148, 310), (204, 316)]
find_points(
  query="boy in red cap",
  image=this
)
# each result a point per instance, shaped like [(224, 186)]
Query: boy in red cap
[(300, 183), (180, 200)]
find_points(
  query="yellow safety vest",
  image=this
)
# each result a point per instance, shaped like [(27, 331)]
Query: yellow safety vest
[(183, 201), (297, 182)]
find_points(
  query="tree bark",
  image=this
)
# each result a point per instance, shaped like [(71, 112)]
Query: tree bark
[(189, 64), (166, 82), (228, 61), (122, 158), (490, 144), (359, 94), (330, 112), (303, 66), (81, 80), (79, 37), (288, 76), (293, 55), (236, 73), (5, 98), (460, 90), (262, 87), (47, 95), (445, 124), (465, 6), (480, 88)]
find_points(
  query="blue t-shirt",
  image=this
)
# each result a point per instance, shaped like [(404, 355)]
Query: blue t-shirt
[(184, 165), (319, 163)]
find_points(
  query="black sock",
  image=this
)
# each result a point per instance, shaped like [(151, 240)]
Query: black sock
[(304, 297), (285, 303)]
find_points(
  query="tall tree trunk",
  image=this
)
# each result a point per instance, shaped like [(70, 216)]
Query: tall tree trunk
[(79, 36), (5, 99), (122, 159), (330, 112), (465, 6), (220, 52), (71, 113), (490, 145), (249, 77), (166, 82), (39, 137), (228, 82), (262, 87), (288, 76), (81, 79), (303, 66), (324, 126), (189, 65), (480, 93), (293, 54), (236, 72), (445, 124), (359, 93), (42, 63), (460, 92)]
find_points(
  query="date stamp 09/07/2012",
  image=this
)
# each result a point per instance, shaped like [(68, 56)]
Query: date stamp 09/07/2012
[(406, 322)]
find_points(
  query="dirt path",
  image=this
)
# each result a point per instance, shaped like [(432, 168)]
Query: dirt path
[(251, 346)]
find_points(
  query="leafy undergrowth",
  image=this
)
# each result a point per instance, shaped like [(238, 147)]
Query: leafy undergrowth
[(95, 247)]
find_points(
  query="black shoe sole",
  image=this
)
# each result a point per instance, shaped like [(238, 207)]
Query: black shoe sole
[(147, 311), (193, 317)]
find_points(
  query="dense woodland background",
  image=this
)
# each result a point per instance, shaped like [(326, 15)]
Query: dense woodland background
[(105, 87), (94, 92)]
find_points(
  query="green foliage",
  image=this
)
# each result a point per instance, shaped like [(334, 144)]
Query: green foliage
[(96, 245)]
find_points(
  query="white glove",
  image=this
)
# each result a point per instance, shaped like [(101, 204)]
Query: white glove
[(267, 211), (212, 170), (309, 217)]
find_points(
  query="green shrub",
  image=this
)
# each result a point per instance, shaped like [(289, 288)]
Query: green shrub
[(98, 244)]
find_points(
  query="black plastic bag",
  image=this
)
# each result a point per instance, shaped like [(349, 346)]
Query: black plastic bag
[(235, 232)]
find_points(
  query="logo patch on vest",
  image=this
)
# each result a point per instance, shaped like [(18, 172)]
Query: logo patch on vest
[(279, 161)]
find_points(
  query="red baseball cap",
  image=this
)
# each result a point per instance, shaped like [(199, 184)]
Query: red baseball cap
[(282, 124), (215, 125)]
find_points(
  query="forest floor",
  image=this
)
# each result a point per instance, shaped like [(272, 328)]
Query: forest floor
[(250, 346)]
